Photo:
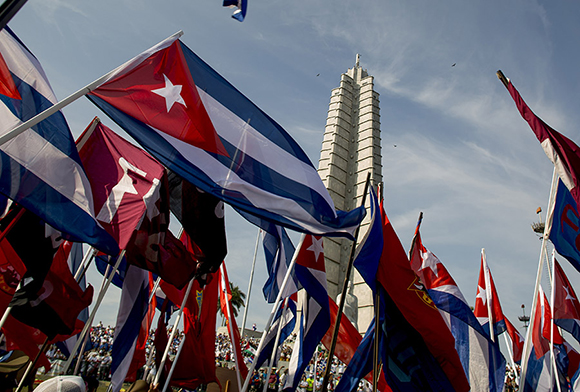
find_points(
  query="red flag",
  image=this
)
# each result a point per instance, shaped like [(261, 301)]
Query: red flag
[(486, 292), (541, 328), (226, 305), (196, 365), (160, 92), (122, 177), (517, 341), (411, 298), (130, 189), (563, 152), (44, 308), (347, 342)]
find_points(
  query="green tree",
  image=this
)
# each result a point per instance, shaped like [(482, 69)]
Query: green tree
[(237, 300)]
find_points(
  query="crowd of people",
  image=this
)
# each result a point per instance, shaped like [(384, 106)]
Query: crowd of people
[(96, 361)]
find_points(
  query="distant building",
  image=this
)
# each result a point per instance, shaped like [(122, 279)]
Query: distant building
[(351, 148)]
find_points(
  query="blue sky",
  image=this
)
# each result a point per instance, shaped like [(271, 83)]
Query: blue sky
[(463, 154)]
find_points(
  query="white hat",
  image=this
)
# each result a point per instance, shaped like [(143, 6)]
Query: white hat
[(62, 384)]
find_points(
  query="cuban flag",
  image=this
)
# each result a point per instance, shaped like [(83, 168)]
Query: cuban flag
[(240, 7), (566, 306), (40, 168), (481, 358), (370, 248), (133, 308), (487, 306), (278, 252), (199, 126), (315, 318), (537, 371), (516, 339), (285, 319)]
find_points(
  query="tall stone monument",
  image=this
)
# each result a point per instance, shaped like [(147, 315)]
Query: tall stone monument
[(351, 148)]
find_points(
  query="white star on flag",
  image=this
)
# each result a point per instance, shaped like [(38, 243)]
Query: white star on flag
[(568, 295), (316, 247), (481, 294), (429, 260), (171, 93)]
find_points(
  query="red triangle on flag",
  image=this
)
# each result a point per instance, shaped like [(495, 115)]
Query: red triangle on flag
[(161, 92), (7, 85)]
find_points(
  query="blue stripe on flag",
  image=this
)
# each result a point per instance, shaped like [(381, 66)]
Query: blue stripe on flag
[(41, 168)]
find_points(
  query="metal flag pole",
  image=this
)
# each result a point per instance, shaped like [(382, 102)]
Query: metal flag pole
[(172, 335), (250, 285), (83, 91), (554, 372), (177, 355), (224, 289), (273, 312), (276, 343), (94, 311), (343, 295), (527, 344)]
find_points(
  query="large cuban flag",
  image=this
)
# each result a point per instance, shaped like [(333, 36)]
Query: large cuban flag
[(480, 356), (202, 128), (40, 168)]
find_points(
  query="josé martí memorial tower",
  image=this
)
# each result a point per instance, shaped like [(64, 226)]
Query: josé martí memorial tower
[(351, 148)]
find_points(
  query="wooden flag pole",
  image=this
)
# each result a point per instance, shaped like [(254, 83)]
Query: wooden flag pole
[(250, 285), (343, 295), (224, 287), (376, 342)]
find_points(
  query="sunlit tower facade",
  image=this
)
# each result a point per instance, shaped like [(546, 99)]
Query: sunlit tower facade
[(351, 148)]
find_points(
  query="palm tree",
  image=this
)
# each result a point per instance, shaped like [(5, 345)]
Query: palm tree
[(237, 300)]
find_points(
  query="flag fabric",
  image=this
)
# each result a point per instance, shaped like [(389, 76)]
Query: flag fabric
[(538, 366), (285, 319), (278, 252), (487, 299), (122, 176), (566, 306), (41, 169), (414, 327), (196, 364), (563, 152), (240, 8), (199, 126), (133, 307), (47, 284), (564, 227), (361, 363), (517, 341), (481, 357), (369, 250), (153, 246), (202, 218), (315, 318), (351, 351), (140, 353), (234, 332)]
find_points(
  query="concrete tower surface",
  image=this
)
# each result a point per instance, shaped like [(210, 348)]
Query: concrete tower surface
[(351, 148)]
